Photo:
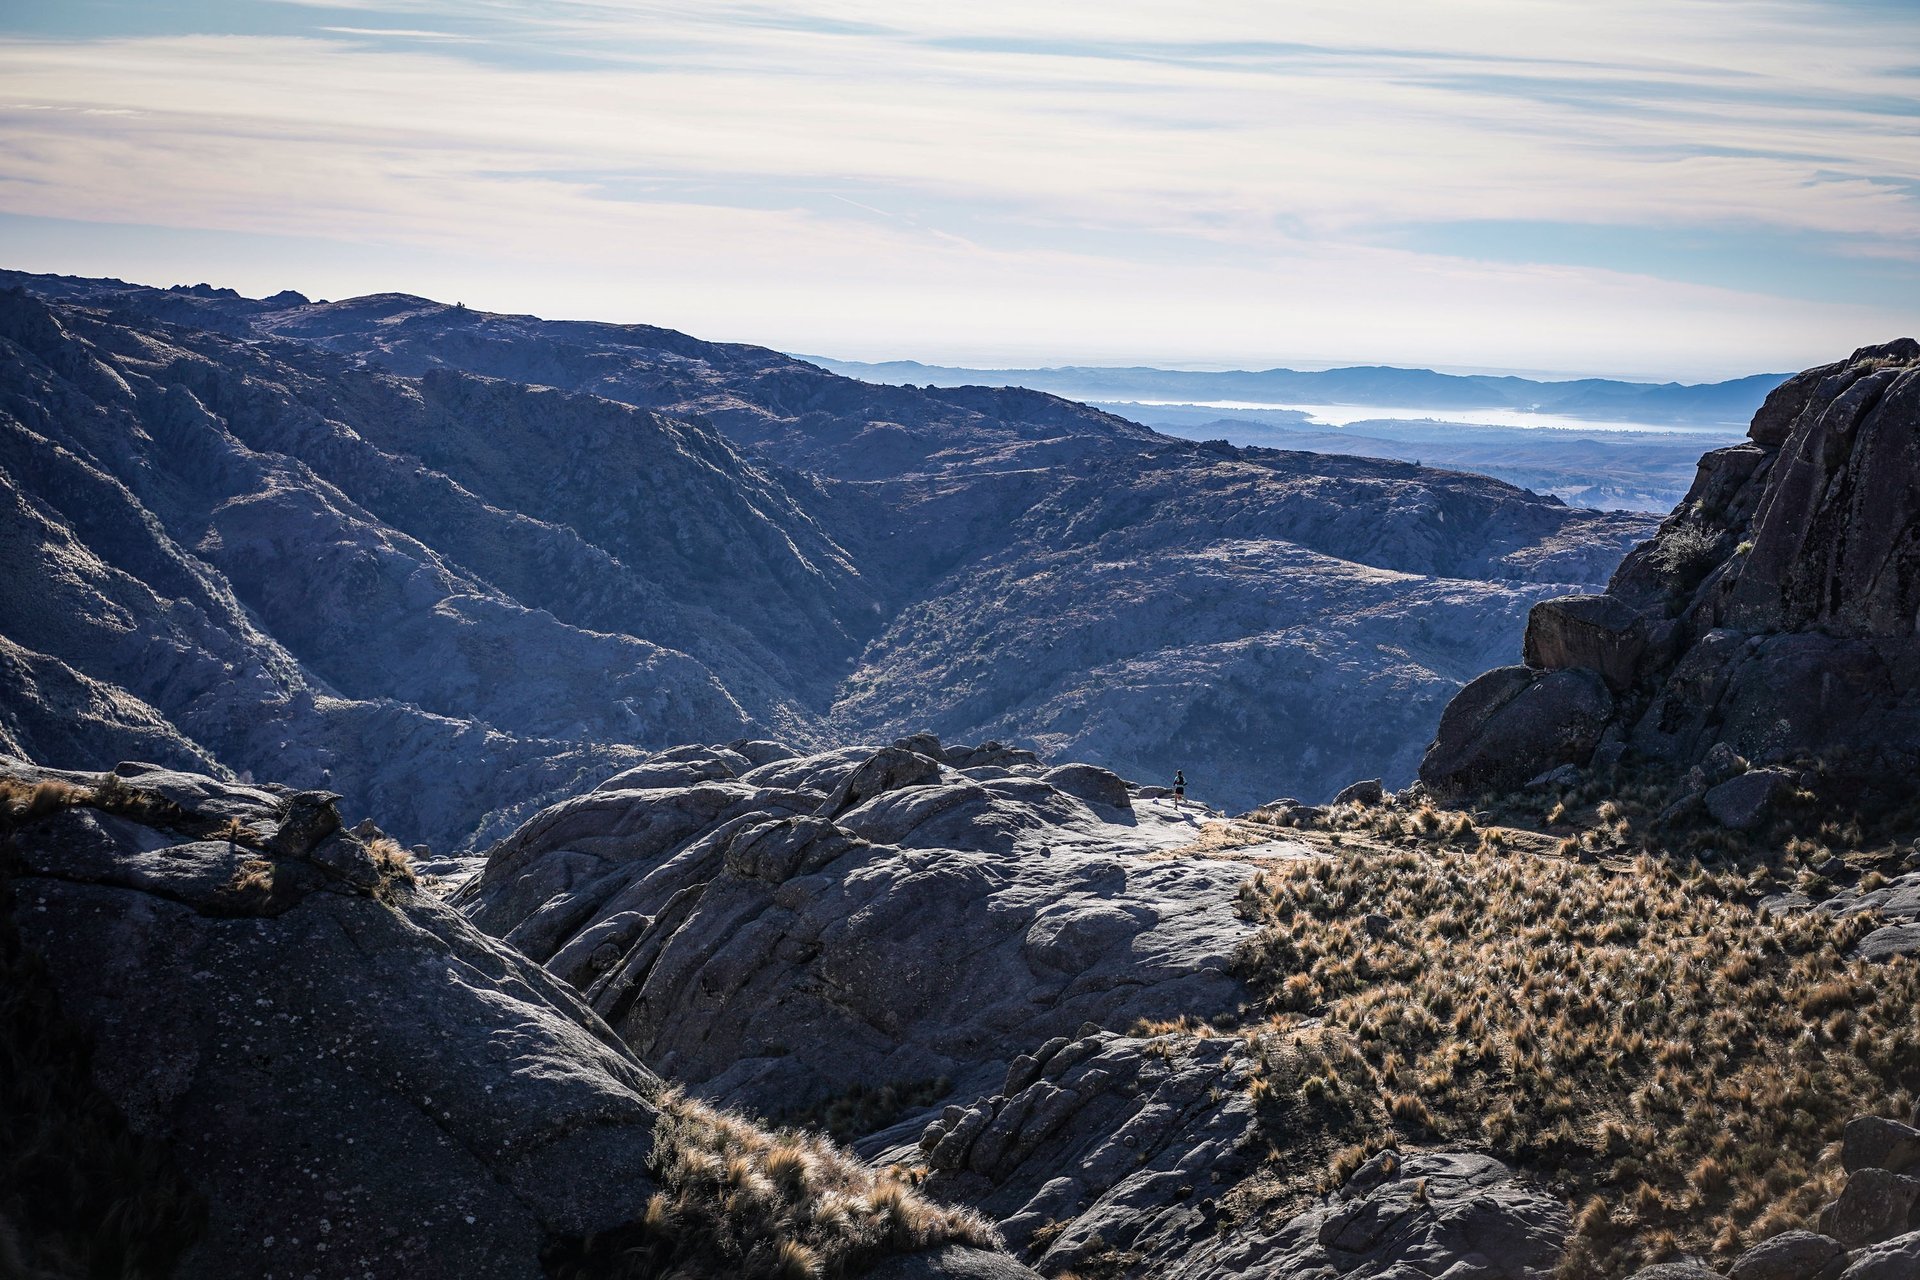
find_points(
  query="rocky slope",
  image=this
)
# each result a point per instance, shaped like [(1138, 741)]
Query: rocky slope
[(462, 596), (777, 928), (1771, 620), (1025, 957), (1215, 609), (420, 593), (1141, 1040), (253, 1037)]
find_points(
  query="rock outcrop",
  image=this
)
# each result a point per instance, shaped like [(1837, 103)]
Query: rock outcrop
[(1428, 1214), (1101, 1149), (349, 1077), (1773, 616), (777, 934), (1026, 951)]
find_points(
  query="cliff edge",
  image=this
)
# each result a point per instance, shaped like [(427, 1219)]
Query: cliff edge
[(1776, 611)]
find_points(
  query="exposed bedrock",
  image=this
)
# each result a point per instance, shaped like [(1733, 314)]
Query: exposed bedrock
[(1116, 1156), (351, 1076), (335, 1073), (776, 930), (1775, 611)]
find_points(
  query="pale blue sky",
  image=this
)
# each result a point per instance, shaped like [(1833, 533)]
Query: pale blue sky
[(1689, 189)]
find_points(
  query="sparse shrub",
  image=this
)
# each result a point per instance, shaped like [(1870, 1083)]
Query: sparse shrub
[(1685, 551)]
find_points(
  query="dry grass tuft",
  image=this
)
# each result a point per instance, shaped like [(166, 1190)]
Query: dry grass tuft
[(22, 802), (393, 865), (738, 1200), (1643, 1034), (254, 876)]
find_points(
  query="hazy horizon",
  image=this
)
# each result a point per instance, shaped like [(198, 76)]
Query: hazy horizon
[(1656, 191), (1165, 366)]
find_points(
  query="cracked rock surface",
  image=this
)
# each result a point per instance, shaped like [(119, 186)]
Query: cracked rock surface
[(1771, 615), (777, 934), (353, 1078)]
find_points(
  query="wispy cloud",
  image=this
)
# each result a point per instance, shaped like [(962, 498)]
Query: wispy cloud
[(396, 33), (1241, 180)]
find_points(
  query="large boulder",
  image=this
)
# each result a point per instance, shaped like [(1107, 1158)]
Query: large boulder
[(1597, 633), (1875, 1142), (1367, 791), (1512, 724), (1091, 783), (1895, 1259), (351, 1075), (1744, 801), (1875, 1205), (1792, 1255)]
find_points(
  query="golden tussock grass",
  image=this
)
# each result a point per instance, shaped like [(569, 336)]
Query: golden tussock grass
[(739, 1200), (1644, 1035), (393, 866), (22, 802)]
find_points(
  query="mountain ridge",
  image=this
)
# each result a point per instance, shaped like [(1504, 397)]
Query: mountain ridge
[(429, 541)]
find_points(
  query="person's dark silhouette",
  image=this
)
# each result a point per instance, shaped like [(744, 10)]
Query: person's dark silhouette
[(1179, 786)]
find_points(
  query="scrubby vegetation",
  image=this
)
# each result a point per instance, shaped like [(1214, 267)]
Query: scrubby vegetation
[(1624, 812), (1684, 552), (24, 802), (1640, 1033), (393, 865), (738, 1200)]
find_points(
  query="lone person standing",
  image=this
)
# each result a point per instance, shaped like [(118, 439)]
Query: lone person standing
[(1179, 786)]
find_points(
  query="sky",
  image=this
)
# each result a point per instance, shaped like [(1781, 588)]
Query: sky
[(1690, 189)]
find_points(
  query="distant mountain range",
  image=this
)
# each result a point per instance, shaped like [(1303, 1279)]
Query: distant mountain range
[(1610, 469), (452, 564), (1730, 403)]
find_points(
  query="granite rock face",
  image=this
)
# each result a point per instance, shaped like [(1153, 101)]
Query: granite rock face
[(1431, 1214), (1895, 1259), (1792, 1255), (473, 562), (352, 1078), (1100, 1147), (1512, 724), (1002, 938), (779, 934), (1772, 615)]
